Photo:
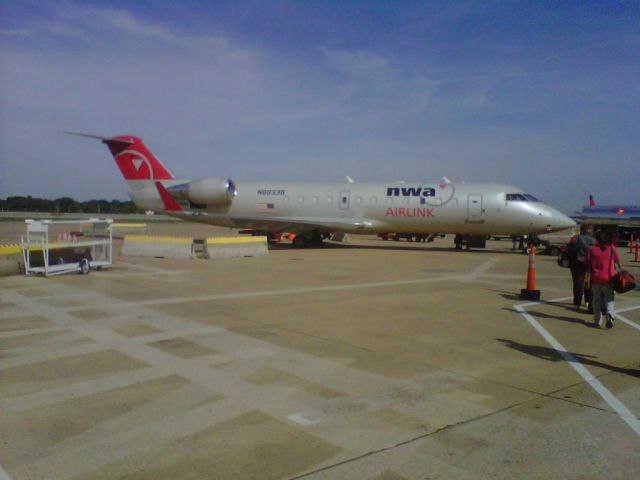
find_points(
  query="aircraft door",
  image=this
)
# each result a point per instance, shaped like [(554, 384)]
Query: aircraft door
[(344, 200), (474, 208)]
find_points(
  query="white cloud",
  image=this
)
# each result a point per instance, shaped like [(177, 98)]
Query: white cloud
[(359, 63), (148, 80), (125, 21)]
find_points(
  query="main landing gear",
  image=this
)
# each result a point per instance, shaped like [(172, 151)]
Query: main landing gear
[(304, 240)]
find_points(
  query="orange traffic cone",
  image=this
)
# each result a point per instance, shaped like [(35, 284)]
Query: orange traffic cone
[(530, 293)]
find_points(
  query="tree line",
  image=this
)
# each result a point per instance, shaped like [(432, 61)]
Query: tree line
[(66, 205)]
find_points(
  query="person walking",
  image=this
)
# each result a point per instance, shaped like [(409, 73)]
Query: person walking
[(602, 261), (577, 249)]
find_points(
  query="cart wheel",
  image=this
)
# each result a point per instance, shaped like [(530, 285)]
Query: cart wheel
[(84, 267)]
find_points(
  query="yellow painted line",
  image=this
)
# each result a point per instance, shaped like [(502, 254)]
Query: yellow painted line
[(10, 249), (129, 225), (148, 238), (222, 240)]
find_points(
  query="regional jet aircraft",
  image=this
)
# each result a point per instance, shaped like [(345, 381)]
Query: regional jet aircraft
[(313, 210), (623, 220)]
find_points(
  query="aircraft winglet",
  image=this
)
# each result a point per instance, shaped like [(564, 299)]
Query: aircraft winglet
[(106, 140)]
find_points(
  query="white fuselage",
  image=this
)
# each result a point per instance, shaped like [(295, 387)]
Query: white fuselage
[(468, 209)]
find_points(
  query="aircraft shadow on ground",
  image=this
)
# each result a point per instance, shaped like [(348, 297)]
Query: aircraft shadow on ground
[(411, 247), (552, 355)]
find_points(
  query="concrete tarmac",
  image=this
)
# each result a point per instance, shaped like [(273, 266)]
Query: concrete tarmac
[(366, 360)]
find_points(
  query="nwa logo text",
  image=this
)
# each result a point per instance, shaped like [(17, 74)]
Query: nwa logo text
[(422, 192)]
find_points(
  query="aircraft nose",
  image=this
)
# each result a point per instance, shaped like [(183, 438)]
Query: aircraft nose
[(559, 221)]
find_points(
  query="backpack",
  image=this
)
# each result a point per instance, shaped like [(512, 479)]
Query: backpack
[(623, 281), (571, 254)]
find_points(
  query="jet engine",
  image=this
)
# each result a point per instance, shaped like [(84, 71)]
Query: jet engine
[(206, 191)]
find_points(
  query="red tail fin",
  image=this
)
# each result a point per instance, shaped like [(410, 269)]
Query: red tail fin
[(135, 161)]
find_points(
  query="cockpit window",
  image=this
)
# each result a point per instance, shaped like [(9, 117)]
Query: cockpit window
[(516, 197), (520, 197)]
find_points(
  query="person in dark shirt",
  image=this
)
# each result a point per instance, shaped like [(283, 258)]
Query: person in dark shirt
[(577, 249)]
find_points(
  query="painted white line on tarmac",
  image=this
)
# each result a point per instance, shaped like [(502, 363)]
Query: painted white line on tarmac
[(265, 293), (477, 271), (623, 412), (480, 270), (616, 313), (617, 316), (627, 309)]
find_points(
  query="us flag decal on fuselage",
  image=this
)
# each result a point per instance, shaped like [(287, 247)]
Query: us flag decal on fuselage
[(264, 207)]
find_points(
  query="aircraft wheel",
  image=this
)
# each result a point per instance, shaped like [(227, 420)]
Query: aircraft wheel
[(554, 251), (317, 240), (84, 267), (300, 241)]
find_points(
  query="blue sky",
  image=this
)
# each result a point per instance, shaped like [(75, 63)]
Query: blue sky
[(540, 95)]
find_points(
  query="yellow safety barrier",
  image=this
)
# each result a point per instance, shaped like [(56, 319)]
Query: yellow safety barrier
[(150, 238), (222, 240), (228, 247), (10, 249), (129, 225), (151, 246), (10, 259)]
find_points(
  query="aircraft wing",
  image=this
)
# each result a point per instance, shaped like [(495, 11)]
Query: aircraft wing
[(603, 219), (284, 224), (621, 215)]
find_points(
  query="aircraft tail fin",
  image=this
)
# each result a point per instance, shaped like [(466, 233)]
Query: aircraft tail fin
[(135, 161)]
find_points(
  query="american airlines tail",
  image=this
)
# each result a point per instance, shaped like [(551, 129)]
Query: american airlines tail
[(145, 175)]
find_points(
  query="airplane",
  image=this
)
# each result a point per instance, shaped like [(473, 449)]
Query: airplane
[(315, 210), (624, 215), (623, 220)]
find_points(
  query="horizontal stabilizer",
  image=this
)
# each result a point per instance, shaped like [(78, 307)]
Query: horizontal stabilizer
[(107, 140)]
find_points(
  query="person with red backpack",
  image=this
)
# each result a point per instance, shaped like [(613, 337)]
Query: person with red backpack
[(602, 261)]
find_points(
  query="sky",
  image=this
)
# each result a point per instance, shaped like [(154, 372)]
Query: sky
[(541, 95)]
